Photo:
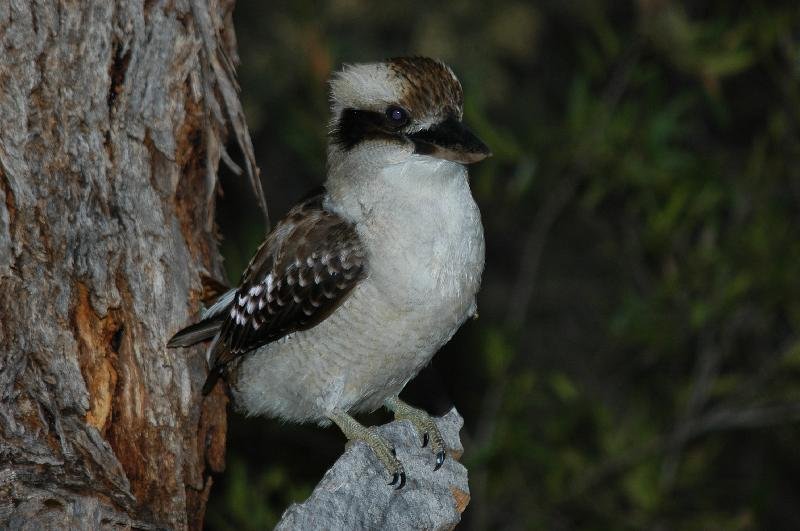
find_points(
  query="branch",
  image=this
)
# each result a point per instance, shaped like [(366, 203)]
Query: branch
[(745, 417), (353, 494), (721, 419)]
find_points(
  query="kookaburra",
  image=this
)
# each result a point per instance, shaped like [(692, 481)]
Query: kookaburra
[(355, 290)]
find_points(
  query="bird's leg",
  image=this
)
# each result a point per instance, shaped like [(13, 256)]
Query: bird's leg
[(423, 423), (382, 449)]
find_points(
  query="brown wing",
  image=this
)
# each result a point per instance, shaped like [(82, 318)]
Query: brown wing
[(302, 272)]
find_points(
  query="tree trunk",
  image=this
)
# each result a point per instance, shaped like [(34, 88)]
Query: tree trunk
[(112, 123)]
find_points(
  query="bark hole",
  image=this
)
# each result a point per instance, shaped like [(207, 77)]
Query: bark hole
[(116, 339), (116, 72), (11, 206)]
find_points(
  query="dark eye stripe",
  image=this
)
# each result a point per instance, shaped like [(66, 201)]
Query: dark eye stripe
[(355, 126)]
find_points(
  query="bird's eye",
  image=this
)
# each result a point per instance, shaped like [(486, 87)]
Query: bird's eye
[(397, 116)]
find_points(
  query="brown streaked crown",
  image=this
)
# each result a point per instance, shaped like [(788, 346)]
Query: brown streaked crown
[(429, 86)]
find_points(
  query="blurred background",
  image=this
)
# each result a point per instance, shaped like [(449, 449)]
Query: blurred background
[(636, 364)]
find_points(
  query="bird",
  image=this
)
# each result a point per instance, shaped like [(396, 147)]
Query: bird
[(362, 282)]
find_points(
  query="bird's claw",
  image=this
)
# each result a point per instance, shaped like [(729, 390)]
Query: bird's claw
[(399, 478), (387, 454), (440, 455), (425, 426), (439, 460), (381, 448)]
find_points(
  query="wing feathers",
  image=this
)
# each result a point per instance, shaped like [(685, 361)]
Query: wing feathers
[(220, 305), (303, 271), (300, 275)]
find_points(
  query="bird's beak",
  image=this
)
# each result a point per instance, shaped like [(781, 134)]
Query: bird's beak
[(450, 140)]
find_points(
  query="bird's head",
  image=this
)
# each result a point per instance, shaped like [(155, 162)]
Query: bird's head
[(401, 107)]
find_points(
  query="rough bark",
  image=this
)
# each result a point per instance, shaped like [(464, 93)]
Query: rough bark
[(113, 115), (353, 494)]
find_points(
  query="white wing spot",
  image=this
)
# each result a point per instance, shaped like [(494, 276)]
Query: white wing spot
[(256, 290)]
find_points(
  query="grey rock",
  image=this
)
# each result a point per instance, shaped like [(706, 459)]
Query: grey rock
[(354, 493)]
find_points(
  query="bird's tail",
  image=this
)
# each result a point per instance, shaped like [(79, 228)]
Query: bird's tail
[(211, 380), (205, 329)]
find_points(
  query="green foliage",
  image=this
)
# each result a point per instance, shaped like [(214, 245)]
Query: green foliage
[(254, 501), (653, 381)]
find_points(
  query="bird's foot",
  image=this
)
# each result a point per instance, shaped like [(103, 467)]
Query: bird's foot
[(424, 424), (382, 449)]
